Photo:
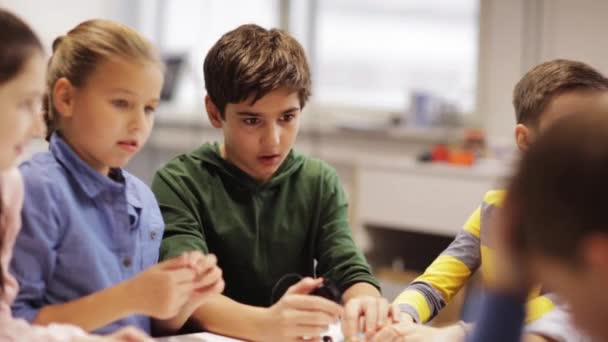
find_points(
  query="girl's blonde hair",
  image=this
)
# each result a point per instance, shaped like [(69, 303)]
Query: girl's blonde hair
[(77, 54)]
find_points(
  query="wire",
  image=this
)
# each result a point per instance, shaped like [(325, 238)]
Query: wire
[(274, 296)]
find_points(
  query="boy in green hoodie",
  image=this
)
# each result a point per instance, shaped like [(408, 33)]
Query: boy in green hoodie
[(263, 209)]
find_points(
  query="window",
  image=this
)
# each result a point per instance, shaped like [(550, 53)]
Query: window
[(369, 55), (190, 27), (375, 53)]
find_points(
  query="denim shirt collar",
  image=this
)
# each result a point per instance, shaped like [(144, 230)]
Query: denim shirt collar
[(91, 181)]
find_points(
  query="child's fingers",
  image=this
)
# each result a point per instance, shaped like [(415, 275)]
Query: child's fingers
[(209, 278), (370, 312), (351, 321), (182, 275), (312, 303), (389, 333), (190, 259), (216, 288), (174, 263), (206, 264), (394, 312), (305, 286), (383, 312)]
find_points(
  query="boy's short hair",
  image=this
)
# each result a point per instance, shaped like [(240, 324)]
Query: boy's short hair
[(557, 197), (542, 83), (253, 61)]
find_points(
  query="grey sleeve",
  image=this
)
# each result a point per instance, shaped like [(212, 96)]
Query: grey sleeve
[(433, 298), (466, 249)]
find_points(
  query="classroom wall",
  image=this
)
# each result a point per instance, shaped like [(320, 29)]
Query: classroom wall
[(53, 18), (518, 34)]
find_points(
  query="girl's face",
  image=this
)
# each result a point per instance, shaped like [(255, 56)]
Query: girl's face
[(20, 112), (109, 118)]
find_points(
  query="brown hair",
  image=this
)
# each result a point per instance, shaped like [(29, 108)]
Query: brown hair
[(77, 54), (18, 43), (253, 61), (542, 83), (558, 194)]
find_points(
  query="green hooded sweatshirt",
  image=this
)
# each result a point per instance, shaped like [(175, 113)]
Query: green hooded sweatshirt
[(259, 232)]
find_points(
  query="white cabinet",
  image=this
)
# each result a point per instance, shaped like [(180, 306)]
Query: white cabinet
[(434, 199)]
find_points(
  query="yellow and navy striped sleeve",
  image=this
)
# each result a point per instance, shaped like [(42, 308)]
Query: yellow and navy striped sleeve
[(429, 293)]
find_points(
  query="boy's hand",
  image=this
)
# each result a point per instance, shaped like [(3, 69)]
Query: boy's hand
[(401, 317), (407, 332), (297, 314), (208, 279), (367, 314), (163, 289)]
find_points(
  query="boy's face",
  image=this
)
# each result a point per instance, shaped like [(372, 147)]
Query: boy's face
[(582, 287), (258, 137), (568, 103)]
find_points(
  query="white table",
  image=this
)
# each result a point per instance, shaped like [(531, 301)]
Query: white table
[(199, 337), (334, 332)]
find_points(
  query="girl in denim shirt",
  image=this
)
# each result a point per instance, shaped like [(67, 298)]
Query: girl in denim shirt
[(21, 86), (87, 254)]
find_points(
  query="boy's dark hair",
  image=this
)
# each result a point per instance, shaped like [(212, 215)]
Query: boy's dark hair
[(557, 198), (252, 61), (542, 83), (18, 43)]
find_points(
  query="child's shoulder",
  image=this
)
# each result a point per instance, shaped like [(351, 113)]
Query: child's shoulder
[(311, 170), (42, 170), (494, 197), (314, 166), (188, 163)]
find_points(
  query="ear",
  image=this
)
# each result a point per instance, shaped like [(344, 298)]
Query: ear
[(213, 112), (594, 251), (63, 97), (523, 137)]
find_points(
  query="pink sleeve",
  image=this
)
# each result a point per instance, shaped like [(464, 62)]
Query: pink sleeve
[(12, 329)]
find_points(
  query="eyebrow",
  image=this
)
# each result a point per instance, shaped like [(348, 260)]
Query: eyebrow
[(127, 91), (122, 90), (245, 113), (256, 114)]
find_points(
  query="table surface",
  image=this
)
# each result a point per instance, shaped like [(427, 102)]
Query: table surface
[(334, 332), (199, 337)]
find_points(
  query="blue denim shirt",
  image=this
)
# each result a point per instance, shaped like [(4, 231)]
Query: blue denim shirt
[(82, 232)]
